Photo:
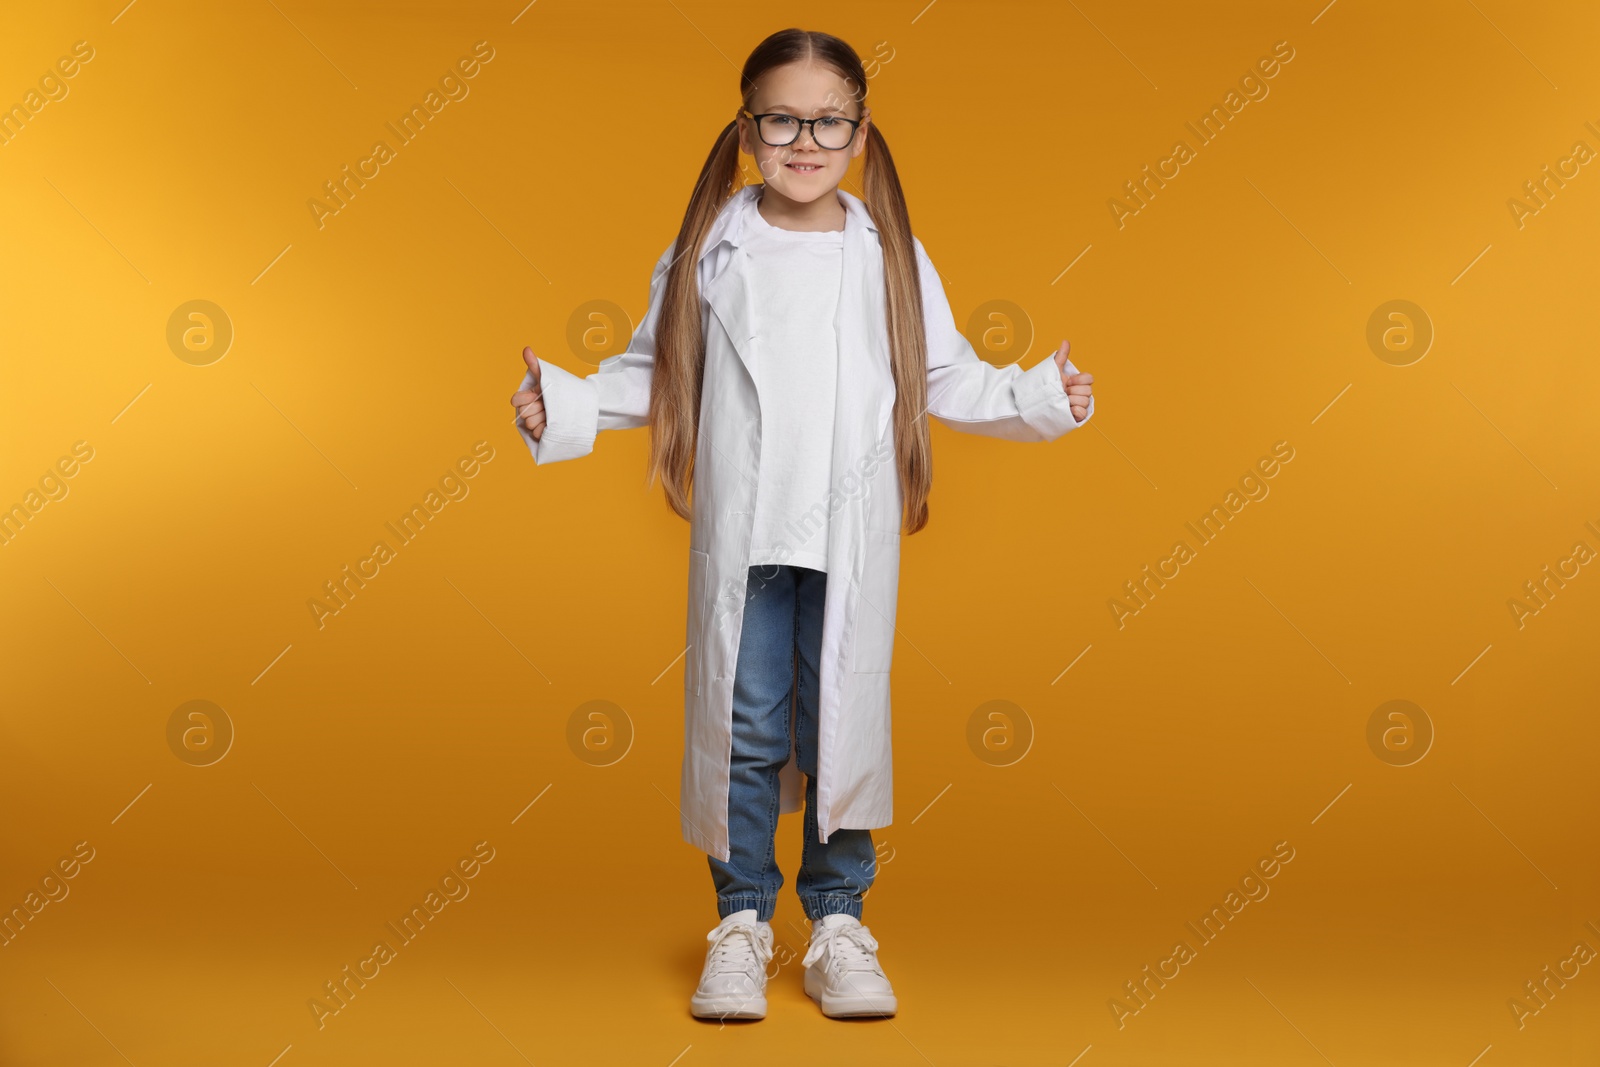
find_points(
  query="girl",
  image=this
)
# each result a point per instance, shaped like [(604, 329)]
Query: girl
[(786, 366)]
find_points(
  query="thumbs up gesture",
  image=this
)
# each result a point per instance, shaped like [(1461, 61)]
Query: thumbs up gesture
[(1078, 386), (530, 402)]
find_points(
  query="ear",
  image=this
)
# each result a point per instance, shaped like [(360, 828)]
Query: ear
[(744, 136), (861, 133)]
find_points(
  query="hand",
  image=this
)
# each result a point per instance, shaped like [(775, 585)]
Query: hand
[(1078, 386), (530, 402)]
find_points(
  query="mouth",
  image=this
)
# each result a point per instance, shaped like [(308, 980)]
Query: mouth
[(804, 168)]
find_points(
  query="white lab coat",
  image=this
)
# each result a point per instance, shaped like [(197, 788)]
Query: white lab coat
[(854, 772)]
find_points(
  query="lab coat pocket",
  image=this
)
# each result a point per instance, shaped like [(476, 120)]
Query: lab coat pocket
[(875, 612), (699, 618)]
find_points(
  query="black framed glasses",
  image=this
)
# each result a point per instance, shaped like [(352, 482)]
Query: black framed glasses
[(829, 131)]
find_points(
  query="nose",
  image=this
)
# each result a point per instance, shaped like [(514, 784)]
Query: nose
[(806, 134)]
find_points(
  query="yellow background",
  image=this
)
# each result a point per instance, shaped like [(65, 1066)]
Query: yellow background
[(1012, 902)]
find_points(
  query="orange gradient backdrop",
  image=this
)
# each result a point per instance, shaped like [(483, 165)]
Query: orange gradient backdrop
[(1046, 850)]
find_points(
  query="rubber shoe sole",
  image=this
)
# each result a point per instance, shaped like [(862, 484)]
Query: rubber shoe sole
[(728, 1007), (846, 1006)]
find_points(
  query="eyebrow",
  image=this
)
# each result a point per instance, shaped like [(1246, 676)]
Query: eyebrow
[(786, 107)]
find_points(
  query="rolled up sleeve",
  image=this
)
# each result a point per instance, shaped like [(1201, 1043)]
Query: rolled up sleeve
[(571, 413)]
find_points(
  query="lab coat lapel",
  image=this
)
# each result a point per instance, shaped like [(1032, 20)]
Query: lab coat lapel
[(729, 292), (730, 295)]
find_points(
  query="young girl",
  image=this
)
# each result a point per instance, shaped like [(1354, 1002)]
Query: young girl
[(786, 366)]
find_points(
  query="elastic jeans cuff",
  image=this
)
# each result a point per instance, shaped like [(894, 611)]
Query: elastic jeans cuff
[(816, 906), (764, 906)]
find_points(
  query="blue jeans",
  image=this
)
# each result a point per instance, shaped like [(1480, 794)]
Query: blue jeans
[(780, 647)]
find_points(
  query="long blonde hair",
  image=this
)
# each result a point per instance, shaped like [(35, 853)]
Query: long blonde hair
[(680, 355)]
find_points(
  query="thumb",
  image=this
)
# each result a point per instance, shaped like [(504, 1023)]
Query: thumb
[(533, 363), (1061, 355)]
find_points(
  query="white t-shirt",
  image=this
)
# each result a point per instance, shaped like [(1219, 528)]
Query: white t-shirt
[(795, 279)]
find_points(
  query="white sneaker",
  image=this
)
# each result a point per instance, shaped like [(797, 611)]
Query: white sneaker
[(733, 983), (842, 972)]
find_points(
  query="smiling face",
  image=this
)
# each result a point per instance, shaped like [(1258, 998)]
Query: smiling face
[(802, 171)]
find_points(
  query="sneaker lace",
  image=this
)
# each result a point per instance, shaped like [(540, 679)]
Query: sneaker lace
[(739, 946), (849, 947)]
